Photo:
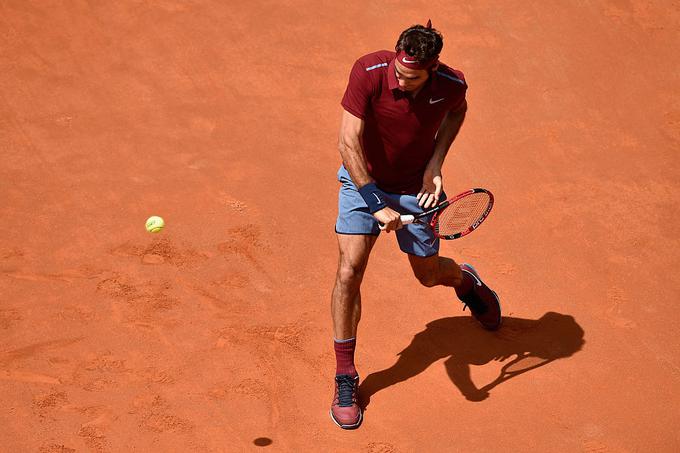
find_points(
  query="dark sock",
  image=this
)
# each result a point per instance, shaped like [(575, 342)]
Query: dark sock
[(466, 286), (344, 356)]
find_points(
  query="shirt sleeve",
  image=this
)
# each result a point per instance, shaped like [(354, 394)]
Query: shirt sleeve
[(459, 101), (359, 90)]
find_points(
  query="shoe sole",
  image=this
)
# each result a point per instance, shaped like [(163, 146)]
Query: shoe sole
[(473, 271), (353, 426)]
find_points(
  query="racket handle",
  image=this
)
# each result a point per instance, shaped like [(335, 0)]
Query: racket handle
[(408, 218), (405, 220)]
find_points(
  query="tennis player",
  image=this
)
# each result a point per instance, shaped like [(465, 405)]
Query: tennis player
[(402, 111)]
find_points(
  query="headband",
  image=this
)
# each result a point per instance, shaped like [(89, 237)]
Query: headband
[(411, 63)]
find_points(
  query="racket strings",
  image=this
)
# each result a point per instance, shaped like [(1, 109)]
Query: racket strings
[(462, 214)]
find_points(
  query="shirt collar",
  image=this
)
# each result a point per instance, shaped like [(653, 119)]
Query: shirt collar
[(433, 81)]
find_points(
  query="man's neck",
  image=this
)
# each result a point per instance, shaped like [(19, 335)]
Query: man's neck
[(414, 93)]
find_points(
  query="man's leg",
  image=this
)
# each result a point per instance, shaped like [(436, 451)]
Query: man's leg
[(422, 247), (354, 251), (438, 270)]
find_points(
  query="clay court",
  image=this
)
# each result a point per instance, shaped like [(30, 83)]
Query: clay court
[(215, 334)]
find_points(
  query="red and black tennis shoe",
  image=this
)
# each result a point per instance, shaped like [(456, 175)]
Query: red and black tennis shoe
[(345, 410), (482, 300)]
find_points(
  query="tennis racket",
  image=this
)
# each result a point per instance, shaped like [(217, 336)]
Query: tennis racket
[(457, 216)]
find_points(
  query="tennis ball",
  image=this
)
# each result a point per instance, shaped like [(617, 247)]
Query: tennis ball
[(154, 224)]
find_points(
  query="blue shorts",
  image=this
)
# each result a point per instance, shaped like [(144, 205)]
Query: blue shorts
[(354, 218)]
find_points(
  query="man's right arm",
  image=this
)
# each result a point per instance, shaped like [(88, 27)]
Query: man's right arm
[(349, 145)]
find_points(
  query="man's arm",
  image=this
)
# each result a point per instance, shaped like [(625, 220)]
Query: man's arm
[(428, 196), (349, 145), (447, 132)]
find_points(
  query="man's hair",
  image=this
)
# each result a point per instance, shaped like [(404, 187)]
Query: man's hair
[(420, 42)]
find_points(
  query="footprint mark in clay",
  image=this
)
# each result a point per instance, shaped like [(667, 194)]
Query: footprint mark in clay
[(616, 298), (56, 448), (380, 447)]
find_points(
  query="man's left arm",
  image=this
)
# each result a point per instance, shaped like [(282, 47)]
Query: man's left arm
[(432, 179)]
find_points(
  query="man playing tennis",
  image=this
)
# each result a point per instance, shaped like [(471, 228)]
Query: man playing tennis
[(402, 111)]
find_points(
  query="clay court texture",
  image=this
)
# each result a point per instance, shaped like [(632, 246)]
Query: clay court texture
[(215, 334)]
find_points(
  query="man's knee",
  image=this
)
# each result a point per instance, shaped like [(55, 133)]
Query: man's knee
[(354, 252), (350, 274)]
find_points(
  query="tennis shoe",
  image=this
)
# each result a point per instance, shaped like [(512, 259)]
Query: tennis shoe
[(482, 300), (345, 410)]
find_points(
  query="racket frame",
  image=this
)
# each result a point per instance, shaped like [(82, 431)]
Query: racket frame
[(439, 208), (416, 218)]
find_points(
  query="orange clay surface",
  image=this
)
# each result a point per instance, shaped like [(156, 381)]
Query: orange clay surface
[(215, 335)]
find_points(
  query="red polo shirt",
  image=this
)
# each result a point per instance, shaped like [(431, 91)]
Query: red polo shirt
[(399, 132)]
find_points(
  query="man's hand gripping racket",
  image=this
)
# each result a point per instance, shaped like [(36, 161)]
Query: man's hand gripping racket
[(457, 216)]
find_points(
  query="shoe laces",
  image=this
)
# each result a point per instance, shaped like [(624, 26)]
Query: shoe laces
[(346, 385), (472, 300)]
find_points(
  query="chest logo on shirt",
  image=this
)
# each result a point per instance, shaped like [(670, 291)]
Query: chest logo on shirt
[(433, 101)]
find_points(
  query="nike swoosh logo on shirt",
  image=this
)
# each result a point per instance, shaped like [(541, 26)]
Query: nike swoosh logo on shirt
[(438, 100)]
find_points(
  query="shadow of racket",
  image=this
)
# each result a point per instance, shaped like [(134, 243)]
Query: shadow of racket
[(523, 363)]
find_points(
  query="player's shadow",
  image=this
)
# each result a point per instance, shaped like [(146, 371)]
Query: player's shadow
[(532, 342)]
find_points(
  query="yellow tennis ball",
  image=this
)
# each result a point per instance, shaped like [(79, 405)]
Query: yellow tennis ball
[(154, 224)]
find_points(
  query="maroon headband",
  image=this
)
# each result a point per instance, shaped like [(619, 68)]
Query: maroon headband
[(411, 63)]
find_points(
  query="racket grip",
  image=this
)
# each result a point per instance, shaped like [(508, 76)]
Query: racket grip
[(405, 220)]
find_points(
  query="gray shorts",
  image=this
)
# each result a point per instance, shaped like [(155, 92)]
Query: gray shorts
[(354, 218)]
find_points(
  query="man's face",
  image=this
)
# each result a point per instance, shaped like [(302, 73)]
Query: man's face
[(410, 79)]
